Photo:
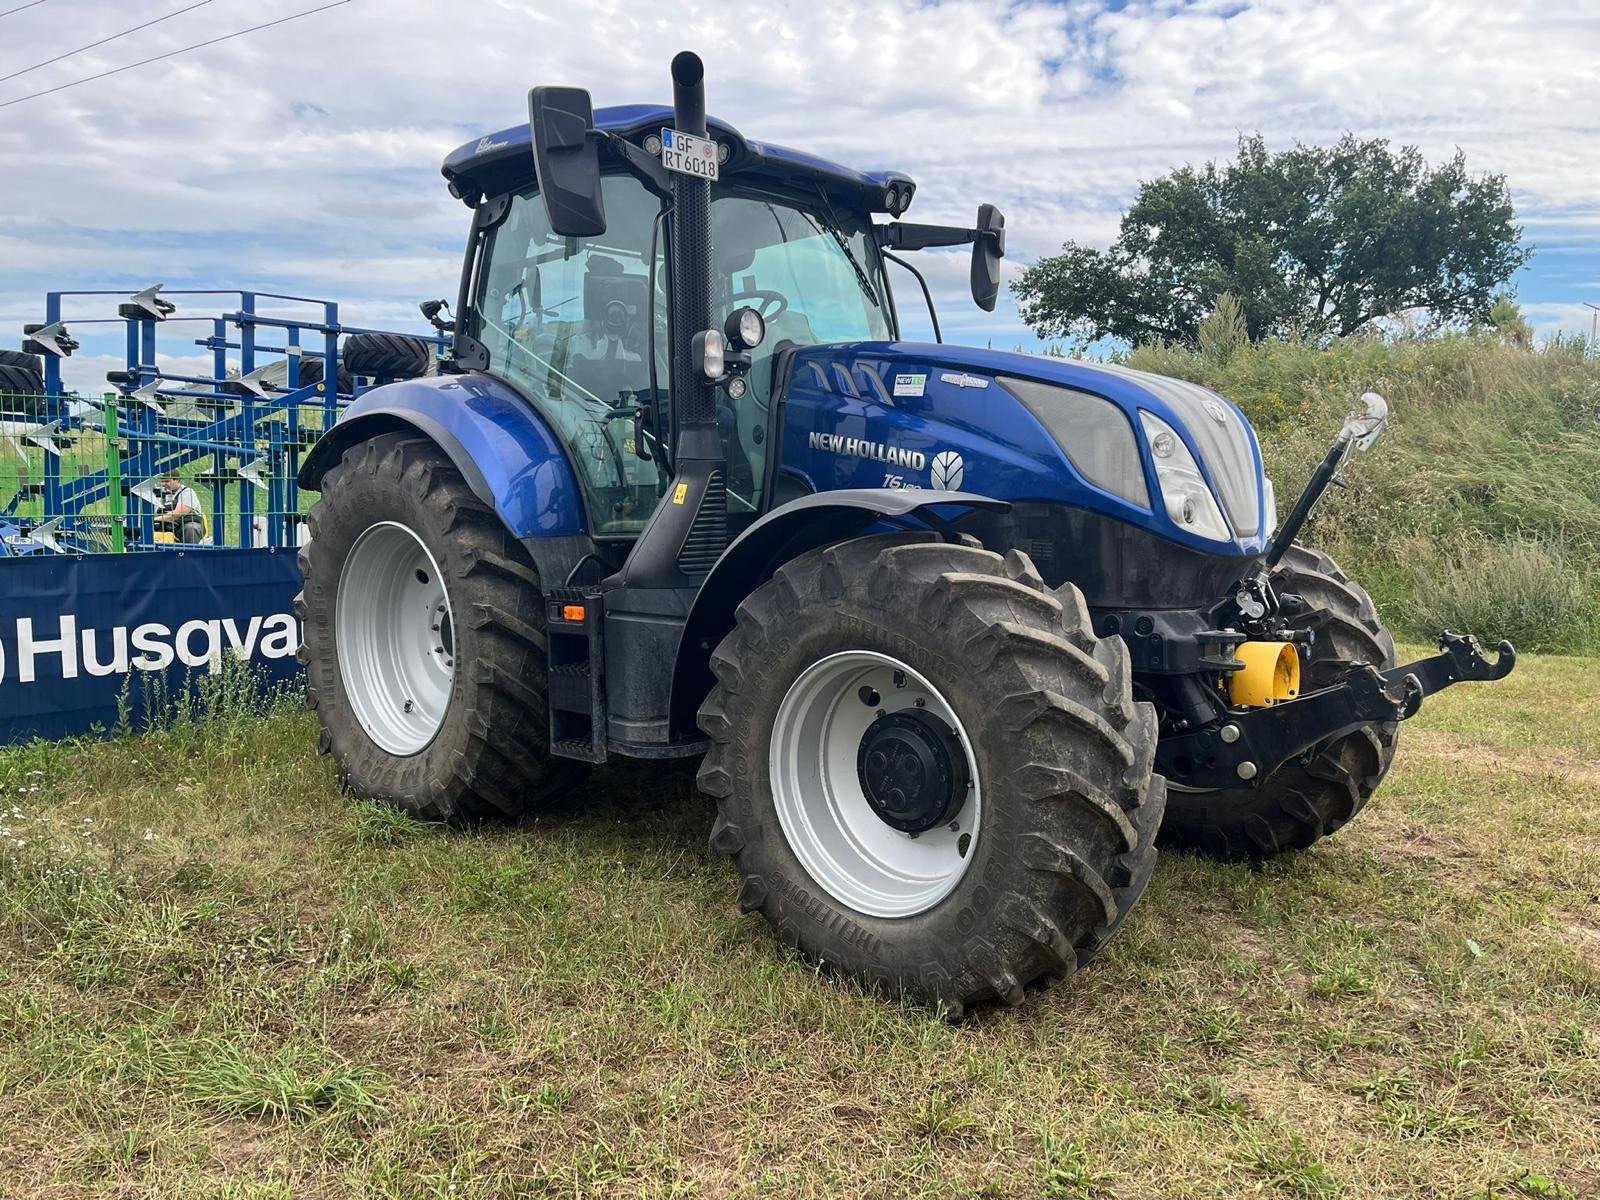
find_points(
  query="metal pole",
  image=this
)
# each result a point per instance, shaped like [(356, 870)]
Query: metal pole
[(114, 503), (1594, 326)]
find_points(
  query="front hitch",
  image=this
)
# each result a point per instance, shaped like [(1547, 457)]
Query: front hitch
[(1462, 661), (1248, 746)]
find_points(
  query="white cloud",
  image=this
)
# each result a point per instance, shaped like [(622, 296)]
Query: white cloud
[(305, 158)]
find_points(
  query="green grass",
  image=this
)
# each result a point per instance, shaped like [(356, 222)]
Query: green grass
[(218, 978)]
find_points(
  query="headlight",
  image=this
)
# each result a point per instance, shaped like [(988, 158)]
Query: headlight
[(745, 328), (1189, 501), (1271, 524)]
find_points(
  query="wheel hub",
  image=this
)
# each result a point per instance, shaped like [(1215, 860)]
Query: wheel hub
[(838, 812), (395, 638), (912, 770)]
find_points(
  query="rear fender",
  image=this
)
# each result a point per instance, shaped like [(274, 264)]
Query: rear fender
[(785, 533), (509, 456)]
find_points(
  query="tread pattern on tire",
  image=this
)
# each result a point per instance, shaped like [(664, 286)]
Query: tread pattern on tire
[(395, 354), (1315, 796), (21, 389), (19, 358), (496, 762), (1076, 772)]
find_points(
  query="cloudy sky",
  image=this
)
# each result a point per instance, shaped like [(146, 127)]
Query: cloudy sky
[(304, 158)]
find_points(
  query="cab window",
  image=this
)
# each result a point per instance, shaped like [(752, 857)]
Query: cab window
[(565, 320)]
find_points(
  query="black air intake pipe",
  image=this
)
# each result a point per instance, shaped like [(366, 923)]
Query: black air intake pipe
[(689, 528), (692, 394)]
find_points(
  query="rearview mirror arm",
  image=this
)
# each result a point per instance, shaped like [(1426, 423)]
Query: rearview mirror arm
[(902, 235), (646, 168)]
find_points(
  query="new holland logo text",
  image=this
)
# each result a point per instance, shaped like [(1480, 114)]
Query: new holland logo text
[(69, 652), (837, 443)]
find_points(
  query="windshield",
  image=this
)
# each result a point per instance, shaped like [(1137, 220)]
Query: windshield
[(567, 320), (813, 274)]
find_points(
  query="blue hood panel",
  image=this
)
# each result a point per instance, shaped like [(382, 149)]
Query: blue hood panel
[(957, 418)]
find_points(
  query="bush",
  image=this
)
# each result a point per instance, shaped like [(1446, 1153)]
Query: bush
[(1524, 589)]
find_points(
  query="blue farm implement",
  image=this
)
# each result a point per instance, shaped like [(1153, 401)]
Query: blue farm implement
[(956, 635), (105, 473)]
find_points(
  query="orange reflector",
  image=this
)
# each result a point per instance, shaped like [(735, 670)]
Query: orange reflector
[(572, 612)]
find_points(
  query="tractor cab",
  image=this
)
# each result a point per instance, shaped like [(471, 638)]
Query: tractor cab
[(583, 324)]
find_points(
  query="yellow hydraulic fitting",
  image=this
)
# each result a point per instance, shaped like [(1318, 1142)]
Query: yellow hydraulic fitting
[(1271, 674)]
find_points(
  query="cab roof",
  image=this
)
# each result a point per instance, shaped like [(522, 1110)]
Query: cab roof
[(503, 161)]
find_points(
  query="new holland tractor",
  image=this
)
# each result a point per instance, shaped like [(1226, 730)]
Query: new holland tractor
[(956, 634)]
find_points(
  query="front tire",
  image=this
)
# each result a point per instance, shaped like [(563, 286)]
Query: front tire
[(1053, 784), (1318, 793), (424, 640)]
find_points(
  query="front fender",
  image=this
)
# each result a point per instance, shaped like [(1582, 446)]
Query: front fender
[(509, 456), (785, 533)]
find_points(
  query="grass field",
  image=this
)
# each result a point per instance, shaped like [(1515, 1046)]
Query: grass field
[(219, 979)]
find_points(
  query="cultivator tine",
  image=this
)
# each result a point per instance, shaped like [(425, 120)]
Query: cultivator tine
[(44, 439), (255, 470), (50, 339), (149, 395), (148, 304), (254, 382), (146, 490), (45, 535)]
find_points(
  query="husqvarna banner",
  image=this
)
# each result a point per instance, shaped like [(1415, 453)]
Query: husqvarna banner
[(79, 634)]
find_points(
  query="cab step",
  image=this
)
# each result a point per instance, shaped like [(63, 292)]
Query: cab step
[(574, 620)]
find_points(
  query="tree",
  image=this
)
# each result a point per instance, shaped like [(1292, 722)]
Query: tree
[(1314, 242)]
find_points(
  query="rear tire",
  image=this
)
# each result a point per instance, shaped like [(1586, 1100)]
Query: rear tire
[(396, 355), (474, 740), (1064, 837), (21, 388), (1307, 798)]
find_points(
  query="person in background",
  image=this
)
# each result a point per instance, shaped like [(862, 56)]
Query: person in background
[(179, 511)]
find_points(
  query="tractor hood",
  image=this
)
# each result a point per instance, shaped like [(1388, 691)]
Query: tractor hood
[(1170, 456)]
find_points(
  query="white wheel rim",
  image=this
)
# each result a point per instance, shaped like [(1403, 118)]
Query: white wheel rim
[(395, 638), (844, 846)]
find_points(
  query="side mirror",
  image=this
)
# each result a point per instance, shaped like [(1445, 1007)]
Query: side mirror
[(1363, 429), (566, 160), (988, 248)]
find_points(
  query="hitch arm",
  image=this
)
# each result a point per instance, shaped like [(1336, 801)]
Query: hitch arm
[(1247, 747), (1461, 661)]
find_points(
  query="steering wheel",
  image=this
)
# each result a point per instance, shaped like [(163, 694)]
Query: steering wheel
[(763, 297)]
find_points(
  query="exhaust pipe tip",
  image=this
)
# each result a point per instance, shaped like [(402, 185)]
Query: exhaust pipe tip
[(687, 69)]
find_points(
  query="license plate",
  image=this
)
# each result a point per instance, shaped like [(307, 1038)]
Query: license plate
[(695, 156)]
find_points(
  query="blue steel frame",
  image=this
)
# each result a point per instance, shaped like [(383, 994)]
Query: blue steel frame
[(154, 443)]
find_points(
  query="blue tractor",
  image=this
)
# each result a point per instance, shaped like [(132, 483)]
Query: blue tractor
[(956, 634)]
